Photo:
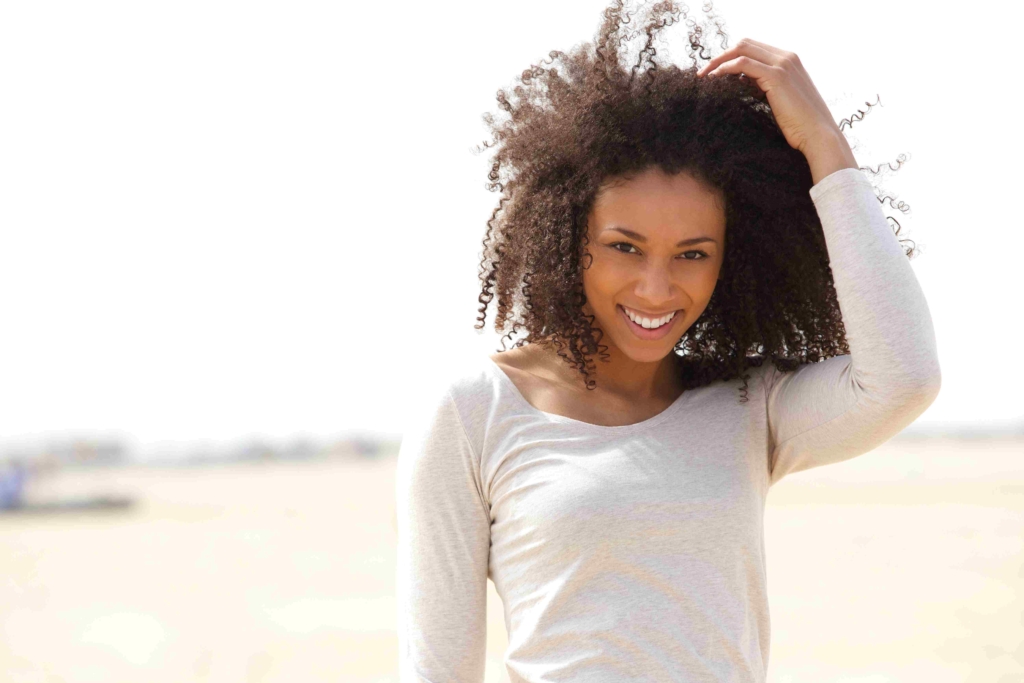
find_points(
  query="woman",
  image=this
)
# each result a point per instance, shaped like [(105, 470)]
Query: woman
[(684, 226)]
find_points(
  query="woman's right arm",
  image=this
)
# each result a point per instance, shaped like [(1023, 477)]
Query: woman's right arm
[(444, 540)]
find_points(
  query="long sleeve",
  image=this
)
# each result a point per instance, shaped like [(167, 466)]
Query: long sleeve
[(847, 405), (443, 524)]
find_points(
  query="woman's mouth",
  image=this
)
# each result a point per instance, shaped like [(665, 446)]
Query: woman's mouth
[(649, 333)]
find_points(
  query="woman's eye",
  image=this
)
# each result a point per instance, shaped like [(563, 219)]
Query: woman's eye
[(627, 245)]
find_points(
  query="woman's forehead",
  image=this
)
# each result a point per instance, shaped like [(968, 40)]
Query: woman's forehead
[(654, 200), (653, 184)]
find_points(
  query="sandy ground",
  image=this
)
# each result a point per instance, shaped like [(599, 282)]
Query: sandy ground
[(904, 564)]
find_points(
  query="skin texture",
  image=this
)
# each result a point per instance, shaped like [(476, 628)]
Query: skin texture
[(597, 135)]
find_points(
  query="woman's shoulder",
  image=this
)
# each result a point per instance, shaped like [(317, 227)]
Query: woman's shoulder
[(449, 396), (472, 380), (465, 396), (469, 381)]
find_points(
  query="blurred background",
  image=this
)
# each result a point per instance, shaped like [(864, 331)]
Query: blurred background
[(239, 237)]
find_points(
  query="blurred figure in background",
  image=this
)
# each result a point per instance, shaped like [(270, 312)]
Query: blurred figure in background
[(12, 484)]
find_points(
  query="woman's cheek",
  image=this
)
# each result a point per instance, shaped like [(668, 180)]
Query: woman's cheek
[(606, 277)]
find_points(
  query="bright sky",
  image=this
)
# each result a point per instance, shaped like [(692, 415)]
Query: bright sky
[(226, 220)]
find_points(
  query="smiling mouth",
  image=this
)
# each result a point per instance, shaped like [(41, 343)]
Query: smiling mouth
[(639, 317), (648, 333)]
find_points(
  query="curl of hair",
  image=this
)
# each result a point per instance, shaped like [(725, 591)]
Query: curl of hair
[(572, 122)]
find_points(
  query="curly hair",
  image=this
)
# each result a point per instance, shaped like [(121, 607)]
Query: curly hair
[(572, 123)]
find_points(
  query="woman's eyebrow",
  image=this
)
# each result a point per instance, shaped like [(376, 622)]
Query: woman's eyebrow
[(683, 243)]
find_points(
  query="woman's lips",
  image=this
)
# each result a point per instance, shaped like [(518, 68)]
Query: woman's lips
[(644, 333)]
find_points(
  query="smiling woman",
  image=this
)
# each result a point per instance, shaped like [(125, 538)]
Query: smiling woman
[(684, 229)]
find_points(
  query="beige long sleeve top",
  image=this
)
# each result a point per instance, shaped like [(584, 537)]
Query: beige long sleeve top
[(636, 553)]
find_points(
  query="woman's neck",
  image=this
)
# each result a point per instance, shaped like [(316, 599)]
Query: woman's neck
[(620, 375)]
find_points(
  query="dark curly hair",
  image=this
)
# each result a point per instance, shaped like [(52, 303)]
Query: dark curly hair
[(573, 122)]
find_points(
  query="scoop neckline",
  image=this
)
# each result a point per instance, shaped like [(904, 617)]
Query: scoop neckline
[(562, 419)]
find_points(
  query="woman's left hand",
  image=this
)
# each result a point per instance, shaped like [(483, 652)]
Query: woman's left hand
[(802, 115)]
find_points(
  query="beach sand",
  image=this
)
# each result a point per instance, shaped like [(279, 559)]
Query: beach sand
[(903, 564)]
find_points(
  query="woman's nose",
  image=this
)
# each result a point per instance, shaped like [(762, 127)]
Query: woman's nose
[(655, 285)]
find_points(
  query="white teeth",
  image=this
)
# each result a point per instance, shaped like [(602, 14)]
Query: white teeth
[(647, 323)]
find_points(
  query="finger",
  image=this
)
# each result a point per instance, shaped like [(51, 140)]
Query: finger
[(778, 51), (749, 49), (759, 71)]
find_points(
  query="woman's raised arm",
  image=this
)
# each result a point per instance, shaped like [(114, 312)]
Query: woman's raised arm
[(847, 405)]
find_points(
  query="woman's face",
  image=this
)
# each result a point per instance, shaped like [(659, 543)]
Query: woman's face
[(657, 243)]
